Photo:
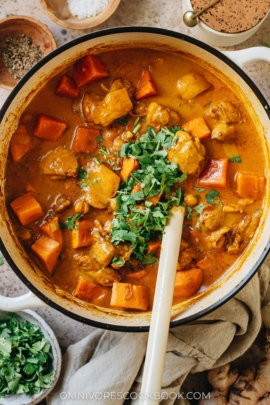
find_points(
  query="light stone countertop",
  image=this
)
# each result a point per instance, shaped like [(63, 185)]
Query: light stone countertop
[(154, 13)]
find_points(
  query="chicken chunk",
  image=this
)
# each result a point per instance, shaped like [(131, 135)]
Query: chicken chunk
[(212, 218), (59, 162), (100, 185), (222, 119), (115, 104), (217, 238), (188, 153), (87, 263), (159, 116), (103, 251), (105, 276), (186, 256), (122, 252)]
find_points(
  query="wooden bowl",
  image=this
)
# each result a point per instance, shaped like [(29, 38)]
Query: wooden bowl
[(59, 12), (12, 26)]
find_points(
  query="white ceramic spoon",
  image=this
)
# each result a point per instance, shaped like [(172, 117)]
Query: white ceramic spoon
[(162, 307)]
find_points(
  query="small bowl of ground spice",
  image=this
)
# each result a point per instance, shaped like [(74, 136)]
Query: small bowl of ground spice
[(79, 14), (23, 42), (227, 23)]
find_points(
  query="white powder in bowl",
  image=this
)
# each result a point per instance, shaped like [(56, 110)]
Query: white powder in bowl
[(86, 8)]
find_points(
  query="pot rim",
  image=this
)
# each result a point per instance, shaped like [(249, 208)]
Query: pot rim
[(107, 32)]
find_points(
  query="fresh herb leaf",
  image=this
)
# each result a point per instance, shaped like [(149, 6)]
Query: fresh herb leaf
[(199, 208), (235, 159), (199, 189), (1, 259), (23, 368), (211, 195), (122, 120), (103, 151), (117, 261), (82, 174), (70, 222), (99, 139), (137, 219)]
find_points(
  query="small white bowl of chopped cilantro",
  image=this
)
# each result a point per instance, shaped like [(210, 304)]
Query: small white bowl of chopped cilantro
[(30, 358)]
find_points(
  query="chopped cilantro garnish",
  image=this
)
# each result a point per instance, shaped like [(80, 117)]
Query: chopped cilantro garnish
[(235, 159), (70, 222), (103, 151), (138, 219), (199, 208), (82, 174), (122, 120), (99, 139), (136, 129), (211, 195), (26, 359), (117, 261), (1, 259), (199, 189)]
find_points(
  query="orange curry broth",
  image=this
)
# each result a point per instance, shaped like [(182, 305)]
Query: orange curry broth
[(166, 69)]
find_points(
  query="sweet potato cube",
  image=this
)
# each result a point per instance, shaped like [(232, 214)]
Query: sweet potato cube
[(249, 185), (128, 166), (188, 282), (49, 128), (100, 185), (81, 235), (215, 174), (20, 143), (52, 230), (47, 250), (129, 296), (153, 246), (197, 127), (191, 85), (67, 88), (146, 86), (87, 290), (85, 140), (26, 208), (88, 70)]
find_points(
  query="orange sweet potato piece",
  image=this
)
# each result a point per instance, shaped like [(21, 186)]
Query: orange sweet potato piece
[(146, 86), (249, 185), (154, 200), (49, 128), (85, 140), (188, 282), (20, 143), (130, 296), (81, 235), (153, 246), (47, 250), (88, 70), (26, 208), (67, 88), (129, 165), (87, 290), (215, 173), (51, 228), (197, 127)]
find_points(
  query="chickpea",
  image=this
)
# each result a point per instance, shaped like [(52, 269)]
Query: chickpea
[(117, 144), (81, 207), (62, 202), (127, 135), (190, 200)]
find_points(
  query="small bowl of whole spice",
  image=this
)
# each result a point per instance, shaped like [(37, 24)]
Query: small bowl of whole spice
[(79, 14), (23, 42)]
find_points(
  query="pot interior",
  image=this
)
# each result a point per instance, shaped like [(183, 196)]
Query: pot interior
[(170, 42)]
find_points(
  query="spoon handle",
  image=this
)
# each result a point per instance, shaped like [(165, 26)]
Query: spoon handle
[(161, 313), (205, 8)]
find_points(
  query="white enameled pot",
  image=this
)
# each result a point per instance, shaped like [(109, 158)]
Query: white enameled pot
[(226, 67), (215, 38)]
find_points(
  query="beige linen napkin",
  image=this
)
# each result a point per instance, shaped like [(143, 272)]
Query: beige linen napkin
[(103, 367)]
